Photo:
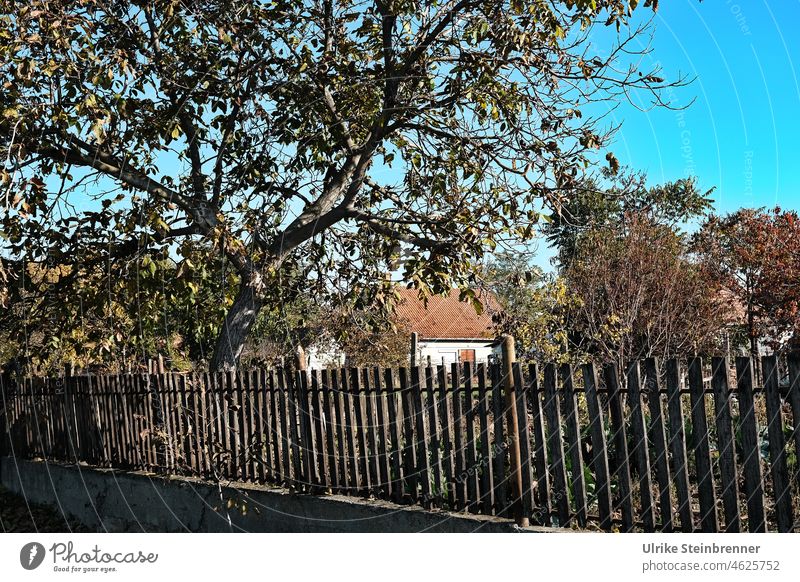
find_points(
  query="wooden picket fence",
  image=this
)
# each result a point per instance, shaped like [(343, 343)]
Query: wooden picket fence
[(691, 445)]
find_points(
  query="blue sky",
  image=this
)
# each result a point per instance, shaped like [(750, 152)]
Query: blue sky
[(740, 134), (739, 130)]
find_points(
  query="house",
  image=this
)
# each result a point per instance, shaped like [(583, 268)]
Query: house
[(450, 330)]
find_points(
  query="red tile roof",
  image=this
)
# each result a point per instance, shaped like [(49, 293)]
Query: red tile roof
[(446, 317)]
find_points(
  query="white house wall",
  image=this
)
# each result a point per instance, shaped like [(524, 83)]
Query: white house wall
[(449, 350)]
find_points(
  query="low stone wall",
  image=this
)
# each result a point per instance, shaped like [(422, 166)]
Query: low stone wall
[(116, 501)]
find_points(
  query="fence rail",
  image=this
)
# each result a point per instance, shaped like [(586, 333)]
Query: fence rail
[(691, 445)]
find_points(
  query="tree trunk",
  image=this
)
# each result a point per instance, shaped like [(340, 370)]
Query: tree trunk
[(236, 327)]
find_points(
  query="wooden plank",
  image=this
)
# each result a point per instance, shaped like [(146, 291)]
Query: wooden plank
[(573, 432), (298, 417), (677, 443), (434, 428), (600, 456), (622, 467), (282, 397), (203, 423), (445, 409), (726, 444), (350, 429), (781, 487), (144, 410), (168, 410), (487, 477), (361, 430), (540, 457), (471, 445), (641, 451), (183, 387), (276, 425), (523, 421), (233, 416), (658, 436), (371, 429), (409, 446), (319, 416), (751, 451), (221, 394), (338, 403), (459, 446), (201, 433), (555, 443), (267, 469), (250, 434), (499, 448), (793, 362), (329, 410), (422, 416), (181, 412), (386, 483), (702, 450), (394, 422)]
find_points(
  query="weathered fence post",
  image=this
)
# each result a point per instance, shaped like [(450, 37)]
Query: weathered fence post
[(509, 358), (414, 342)]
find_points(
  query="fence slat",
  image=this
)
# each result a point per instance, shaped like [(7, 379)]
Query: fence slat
[(473, 476), (371, 429), (264, 412), (422, 417), (445, 406), (640, 453), (572, 423), (329, 406), (409, 447), (620, 438), (540, 463), (725, 444), (487, 477), (322, 423), (282, 396), (361, 429), (677, 441), (600, 456), (319, 414), (459, 446), (777, 446), (384, 470), (702, 449), (500, 484), (342, 422), (434, 428), (524, 440), (751, 453), (556, 445), (394, 423), (658, 437), (793, 362)]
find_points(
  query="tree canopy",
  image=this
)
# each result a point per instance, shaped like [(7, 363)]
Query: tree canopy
[(755, 254), (304, 143)]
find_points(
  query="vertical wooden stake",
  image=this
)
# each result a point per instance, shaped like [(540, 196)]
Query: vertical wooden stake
[(414, 343), (509, 358)]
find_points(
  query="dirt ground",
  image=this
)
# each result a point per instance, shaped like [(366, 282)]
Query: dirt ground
[(17, 516)]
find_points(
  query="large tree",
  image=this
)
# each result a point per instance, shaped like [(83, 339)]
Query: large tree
[(618, 201), (755, 254), (305, 142), (638, 293)]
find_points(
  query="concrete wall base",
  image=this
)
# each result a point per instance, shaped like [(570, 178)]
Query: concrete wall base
[(125, 501)]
